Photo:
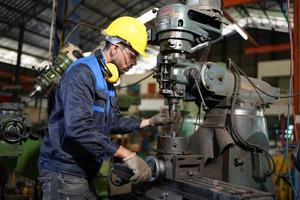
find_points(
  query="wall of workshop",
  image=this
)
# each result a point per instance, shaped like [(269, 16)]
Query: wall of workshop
[(277, 68)]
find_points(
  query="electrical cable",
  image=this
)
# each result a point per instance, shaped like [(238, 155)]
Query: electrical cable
[(250, 81), (70, 33), (201, 96), (132, 84), (77, 26)]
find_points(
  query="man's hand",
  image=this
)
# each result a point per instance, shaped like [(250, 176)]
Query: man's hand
[(162, 118), (141, 170)]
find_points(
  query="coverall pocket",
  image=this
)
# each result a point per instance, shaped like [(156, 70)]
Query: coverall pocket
[(75, 187)]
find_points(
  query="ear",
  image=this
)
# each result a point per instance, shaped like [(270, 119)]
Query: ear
[(113, 50)]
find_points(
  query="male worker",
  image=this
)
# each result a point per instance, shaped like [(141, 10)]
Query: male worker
[(86, 111)]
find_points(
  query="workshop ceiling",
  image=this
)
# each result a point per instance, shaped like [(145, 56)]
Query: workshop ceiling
[(34, 16)]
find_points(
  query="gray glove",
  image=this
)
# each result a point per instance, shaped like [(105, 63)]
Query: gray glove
[(162, 118), (141, 170)]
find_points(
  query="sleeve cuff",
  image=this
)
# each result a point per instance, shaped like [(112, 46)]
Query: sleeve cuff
[(138, 124), (109, 151)]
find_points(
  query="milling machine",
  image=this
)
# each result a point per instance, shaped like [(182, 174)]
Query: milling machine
[(232, 143)]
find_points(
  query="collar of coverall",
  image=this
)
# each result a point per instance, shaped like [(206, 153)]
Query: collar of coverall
[(100, 55)]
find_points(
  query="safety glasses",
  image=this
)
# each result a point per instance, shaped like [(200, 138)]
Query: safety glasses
[(131, 55)]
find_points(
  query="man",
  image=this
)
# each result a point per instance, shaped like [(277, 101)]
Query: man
[(84, 114)]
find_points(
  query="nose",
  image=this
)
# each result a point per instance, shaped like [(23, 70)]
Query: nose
[(129, 67)]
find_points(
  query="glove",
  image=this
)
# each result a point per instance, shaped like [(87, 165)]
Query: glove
[(176, 118), (141, 170), (162, 118)]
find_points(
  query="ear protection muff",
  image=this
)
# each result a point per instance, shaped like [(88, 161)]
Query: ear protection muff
[(110, 70), (112, 75)]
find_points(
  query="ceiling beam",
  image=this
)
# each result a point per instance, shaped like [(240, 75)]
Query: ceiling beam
[(267, 48), (232, 3)]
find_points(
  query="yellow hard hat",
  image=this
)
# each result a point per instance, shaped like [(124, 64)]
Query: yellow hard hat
[(131, 30)]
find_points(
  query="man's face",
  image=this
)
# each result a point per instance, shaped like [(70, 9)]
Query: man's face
[(125, 58)]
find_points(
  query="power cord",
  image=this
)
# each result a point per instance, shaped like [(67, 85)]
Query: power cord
[(133, 84)]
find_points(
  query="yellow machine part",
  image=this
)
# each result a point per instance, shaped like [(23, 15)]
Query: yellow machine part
[(282, 188)]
